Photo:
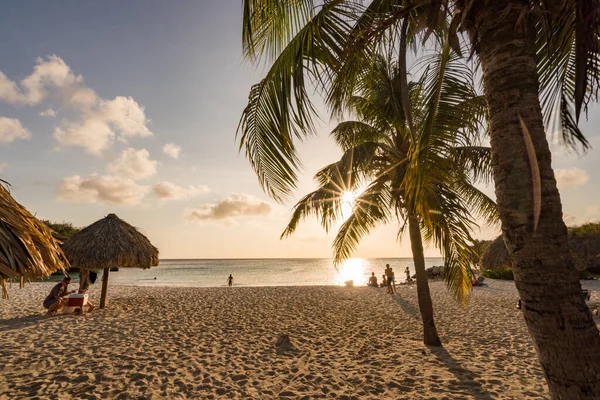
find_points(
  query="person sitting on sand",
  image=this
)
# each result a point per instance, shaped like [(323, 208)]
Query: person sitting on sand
[(373, 280), (383, 281), (479, 281), (230, 280), (58, 296), (84, 286)]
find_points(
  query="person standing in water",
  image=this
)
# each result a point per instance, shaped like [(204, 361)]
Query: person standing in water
[(230, 280)]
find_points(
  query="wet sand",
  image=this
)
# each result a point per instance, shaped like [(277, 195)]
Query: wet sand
[(160, 342)]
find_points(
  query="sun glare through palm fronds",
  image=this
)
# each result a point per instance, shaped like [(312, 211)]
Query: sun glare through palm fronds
[(348, 201)]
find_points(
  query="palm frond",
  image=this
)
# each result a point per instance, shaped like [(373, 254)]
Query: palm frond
[(568, 65), (371, 208), (279, 108)]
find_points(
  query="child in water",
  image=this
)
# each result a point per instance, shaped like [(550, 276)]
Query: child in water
[(230, 280)]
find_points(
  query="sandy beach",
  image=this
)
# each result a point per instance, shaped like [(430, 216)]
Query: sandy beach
[(160, 342)]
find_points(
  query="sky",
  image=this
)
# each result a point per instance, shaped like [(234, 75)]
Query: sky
[(132, 108)]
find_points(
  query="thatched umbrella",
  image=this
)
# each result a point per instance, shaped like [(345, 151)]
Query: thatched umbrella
[(27, 248), (110, 242), (496, 257)]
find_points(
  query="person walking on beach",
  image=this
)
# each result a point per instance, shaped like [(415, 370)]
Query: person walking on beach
[(58, 296), (407, 272), (230, 280)]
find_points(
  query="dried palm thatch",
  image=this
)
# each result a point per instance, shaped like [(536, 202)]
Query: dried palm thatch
[(110, 242), (27, 248), (496, 257)]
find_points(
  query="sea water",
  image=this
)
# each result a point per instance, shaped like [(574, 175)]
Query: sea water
[(263, 272)]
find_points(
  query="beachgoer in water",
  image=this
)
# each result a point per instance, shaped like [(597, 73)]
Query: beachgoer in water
[(373, 280), (84, 286), (230, 280), (389, 275), (407, 272), (58, 296)]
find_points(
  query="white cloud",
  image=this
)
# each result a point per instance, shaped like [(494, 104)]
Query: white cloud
[(571, 177), (126, 115), (101, 189), (11, 130), (236, 205), (93, 134), (170, 191), (48, 113), (100, 122), (121, 117), (50, 76), (172, 150), (132, 163), (9, 91)]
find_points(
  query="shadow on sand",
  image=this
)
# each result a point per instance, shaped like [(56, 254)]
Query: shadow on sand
[(465, 377), (406, 306), (25, 322)]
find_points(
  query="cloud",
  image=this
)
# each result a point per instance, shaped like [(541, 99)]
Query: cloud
[(170, 191), (48, 113), (571, 177), (11, 130), (93, 134), (172, 150), (132, 163), (121, 117), (3, 165), (100, 121), (101, 189), (236, 205), (50, 76), (125, 115), (9, 91)]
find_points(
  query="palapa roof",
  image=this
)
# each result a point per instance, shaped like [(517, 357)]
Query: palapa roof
[(496, 257), (27, 248), (110, 242)]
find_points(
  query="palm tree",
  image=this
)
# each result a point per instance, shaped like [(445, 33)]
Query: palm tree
[(378, 148), (528, 50)]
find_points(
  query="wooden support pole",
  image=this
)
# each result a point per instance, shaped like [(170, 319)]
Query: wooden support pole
[(104, 287)]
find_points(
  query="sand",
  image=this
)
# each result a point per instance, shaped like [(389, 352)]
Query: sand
[(153, 342)]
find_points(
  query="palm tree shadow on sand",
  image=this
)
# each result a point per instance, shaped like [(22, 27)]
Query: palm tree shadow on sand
[(465, 377)]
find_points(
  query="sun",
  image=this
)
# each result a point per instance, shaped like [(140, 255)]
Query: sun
[(348, 199)]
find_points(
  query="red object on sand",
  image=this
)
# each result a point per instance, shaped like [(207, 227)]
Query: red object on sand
[(77, 300)]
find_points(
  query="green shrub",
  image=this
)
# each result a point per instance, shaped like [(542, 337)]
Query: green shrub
[(504, 274)]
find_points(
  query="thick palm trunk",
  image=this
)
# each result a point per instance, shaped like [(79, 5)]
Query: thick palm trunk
[(430, 335), (561, 325)]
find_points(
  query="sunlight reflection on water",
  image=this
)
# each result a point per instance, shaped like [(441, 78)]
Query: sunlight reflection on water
[(353, 269)]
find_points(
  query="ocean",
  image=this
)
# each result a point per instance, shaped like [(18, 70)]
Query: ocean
[(262, 272)]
